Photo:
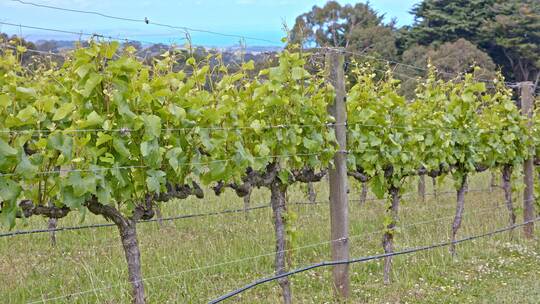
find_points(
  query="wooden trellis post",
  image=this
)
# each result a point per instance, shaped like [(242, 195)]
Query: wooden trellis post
[(339, 207), (527, 108)]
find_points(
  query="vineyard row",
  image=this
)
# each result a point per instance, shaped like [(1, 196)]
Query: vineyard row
[(120, 136)]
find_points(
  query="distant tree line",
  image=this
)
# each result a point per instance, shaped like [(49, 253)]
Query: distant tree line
[(454, 34)]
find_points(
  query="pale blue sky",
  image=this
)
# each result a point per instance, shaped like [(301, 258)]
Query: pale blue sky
[(259, 18)]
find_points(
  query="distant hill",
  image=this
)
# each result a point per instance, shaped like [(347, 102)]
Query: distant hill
[(62, 45), (231, 54)]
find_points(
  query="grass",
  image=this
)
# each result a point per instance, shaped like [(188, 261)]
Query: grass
[(195, 260)]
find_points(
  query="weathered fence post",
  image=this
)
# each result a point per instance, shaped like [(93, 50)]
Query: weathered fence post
[(339, 208), (527, 108)]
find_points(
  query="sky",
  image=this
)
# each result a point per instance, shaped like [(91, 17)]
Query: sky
[(253, 18)]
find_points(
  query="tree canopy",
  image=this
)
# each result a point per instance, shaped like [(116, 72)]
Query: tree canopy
[(449, 59), (508, 30), (356, 27), (494, 34)]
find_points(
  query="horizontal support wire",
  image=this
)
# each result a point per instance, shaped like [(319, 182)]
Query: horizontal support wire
[(367, 235), (81, 33), (170, 275), (367, 258), (127, 130), (65, 56), (411, 193), (397, 63), (393, 72), (165, 219), (147, 21), (417, 77), (60, 171), (304, 204), (359, 236), (8, 46), (186, 216), (173, 218), (232, 128)]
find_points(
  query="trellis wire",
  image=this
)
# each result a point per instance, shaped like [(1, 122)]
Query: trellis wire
[(65, 56), (127, 130), (146, 21), (32, 50), (173, 218), (358, 236), (59, 171), (367, 235), (281, 126), (185, 216), (365, 259), (397, 63), (480, 211), (81, 33)]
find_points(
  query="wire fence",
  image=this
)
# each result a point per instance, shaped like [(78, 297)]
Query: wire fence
[(149, 21), (103, 225), (102, 169), (272, 253), (214, 213), (79, 34), (187, 30), (398, 63), (115, 244), (366, 259)]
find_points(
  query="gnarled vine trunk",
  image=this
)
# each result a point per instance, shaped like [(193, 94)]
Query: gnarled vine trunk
[(279, 208), (128, 236), (312, 195), (388, 238), (459, 212), (363, 193), (52, 225), (159, 216), (507, 187), (434, 183), (422, 187), (247, 200)]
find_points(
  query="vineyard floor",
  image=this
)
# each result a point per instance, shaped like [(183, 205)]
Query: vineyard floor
[(197, 259)]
